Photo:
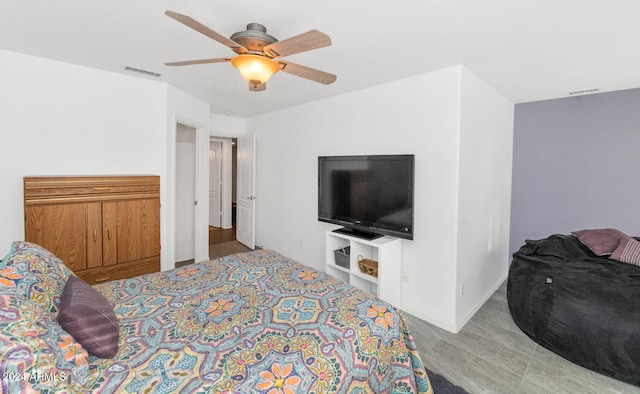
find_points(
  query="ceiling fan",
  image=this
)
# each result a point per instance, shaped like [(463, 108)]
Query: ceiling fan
[(258, 53)]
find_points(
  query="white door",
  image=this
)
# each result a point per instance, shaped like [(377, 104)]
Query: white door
[(246, 199), (215, 184), (185, 219)]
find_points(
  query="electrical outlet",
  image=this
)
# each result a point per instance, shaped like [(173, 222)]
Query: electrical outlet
[(405, 277), (489, 245), (461, 289)]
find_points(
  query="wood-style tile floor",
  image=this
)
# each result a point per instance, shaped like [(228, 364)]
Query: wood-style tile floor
[(222, 242), (221, 235), (492, 355)]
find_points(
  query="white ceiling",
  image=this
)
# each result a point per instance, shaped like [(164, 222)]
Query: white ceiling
[(527, 49)]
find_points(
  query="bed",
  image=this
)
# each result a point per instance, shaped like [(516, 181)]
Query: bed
[(581, 305), (256, 322)]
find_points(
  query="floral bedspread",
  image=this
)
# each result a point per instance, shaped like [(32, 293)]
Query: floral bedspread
[(254, 323)]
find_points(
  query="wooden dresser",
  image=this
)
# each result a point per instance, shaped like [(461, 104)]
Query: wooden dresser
[(102, 227)]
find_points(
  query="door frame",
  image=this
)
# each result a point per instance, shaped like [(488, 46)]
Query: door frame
[(201, 234)]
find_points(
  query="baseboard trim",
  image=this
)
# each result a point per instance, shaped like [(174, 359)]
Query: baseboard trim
[(435, 322), (457, 327)]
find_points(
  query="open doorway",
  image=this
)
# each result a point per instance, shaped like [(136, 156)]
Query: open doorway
[(222, 198), (239, 166)]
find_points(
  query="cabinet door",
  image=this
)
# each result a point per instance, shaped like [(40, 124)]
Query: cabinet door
[(138, 229), (109, 233), (61, 229), (94, 235)]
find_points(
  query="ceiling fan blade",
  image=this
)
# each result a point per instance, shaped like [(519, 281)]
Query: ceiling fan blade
[(257, 87), (199, 27), (303, 42), (201, 61), (307, 72)]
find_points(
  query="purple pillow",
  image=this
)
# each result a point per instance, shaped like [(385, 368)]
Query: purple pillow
[(628, 251), (89, 318), (601, 241)]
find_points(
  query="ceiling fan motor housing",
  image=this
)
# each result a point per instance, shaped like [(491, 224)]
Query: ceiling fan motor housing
[(254, 38)]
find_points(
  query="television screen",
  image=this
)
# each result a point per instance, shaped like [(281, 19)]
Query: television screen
[(367, 194)]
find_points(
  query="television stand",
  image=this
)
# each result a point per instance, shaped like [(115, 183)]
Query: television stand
[(357, 233), (387, 251)]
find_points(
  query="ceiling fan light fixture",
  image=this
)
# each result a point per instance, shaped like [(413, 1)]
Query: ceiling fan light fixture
[(255, 68), (256, 50)]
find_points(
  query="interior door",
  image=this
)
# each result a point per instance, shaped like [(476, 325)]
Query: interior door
[(215, 184), (245, 214), (185, 193)]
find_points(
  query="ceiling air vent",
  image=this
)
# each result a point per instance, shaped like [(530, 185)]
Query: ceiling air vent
[(140, 71), (585, 91)]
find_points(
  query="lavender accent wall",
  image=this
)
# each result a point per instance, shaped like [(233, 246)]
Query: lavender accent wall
[(576, 165)]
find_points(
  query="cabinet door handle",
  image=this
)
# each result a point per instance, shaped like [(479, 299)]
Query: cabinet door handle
[(108, 233), (95, 235), (104, 279)]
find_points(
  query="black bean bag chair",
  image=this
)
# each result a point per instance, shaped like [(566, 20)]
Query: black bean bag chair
[(580, 306)]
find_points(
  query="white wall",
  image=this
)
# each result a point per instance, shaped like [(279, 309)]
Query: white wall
[(486, 141), (419, 115), (62, 119), (227, 126)]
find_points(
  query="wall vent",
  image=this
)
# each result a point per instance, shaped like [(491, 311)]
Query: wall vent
[(585, 91), (141, 71)]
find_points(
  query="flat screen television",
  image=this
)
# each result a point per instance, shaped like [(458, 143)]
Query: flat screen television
[(370, 196)]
